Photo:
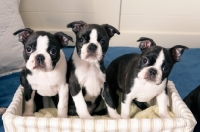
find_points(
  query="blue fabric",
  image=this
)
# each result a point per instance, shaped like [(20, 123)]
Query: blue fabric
[(185, 74)]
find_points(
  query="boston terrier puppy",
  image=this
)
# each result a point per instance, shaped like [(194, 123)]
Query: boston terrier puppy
[(86, 76), (46, 69), (192, 100), (140, 77)]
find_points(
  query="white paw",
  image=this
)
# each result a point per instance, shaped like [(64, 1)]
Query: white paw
[(86, 117), (115, 116)]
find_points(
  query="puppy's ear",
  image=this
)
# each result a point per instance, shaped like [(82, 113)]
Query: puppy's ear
[(110, 30), (177, 52), (145, 43), (23, 34), (63, 38), (76, 26)]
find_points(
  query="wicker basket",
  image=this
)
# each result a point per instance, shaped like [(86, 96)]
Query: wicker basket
[(184, 121)]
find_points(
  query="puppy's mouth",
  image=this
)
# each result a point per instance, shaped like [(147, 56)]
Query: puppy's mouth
[(40, 67), (152, 79), (91, 55)]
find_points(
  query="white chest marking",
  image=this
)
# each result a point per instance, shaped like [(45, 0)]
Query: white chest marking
[(89, 76), (144, 91), (49, 83)]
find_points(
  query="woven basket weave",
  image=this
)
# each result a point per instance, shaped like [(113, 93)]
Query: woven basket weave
[(184, 121)]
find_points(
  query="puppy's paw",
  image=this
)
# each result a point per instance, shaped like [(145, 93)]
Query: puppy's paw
[(86, 117), (115, 116), (28, 114)]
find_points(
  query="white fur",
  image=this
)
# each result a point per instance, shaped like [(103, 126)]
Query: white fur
[(145, 91), (84, 50), (113, 112), (91, 77), (41, 48), (162, 102), (81, 106), (50, 82)]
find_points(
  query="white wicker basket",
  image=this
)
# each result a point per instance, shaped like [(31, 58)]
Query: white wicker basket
[(184, 121)]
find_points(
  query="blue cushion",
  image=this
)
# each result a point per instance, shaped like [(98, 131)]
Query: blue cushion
[(185, 74)]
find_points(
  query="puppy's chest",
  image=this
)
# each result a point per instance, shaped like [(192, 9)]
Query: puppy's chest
[(46, 84), (91, 78), (144, 91)]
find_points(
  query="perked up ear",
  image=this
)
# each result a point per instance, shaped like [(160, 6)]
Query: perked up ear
[(76, 26), (177, 52), (110, 30), (145, 43), (23, 34), (63, 38)]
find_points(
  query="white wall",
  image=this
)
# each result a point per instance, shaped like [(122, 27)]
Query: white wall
[(167, 22)]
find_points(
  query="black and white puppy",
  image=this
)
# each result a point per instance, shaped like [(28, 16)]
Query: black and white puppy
[(140, 77), (86, 74), (46, 69)]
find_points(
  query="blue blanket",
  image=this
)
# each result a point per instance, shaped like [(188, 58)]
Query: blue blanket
[(185, 74)]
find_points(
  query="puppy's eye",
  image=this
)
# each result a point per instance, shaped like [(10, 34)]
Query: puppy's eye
[(165, 68), (53, 51), (81, 39), (103, 42), (28, 49), (145, 61)]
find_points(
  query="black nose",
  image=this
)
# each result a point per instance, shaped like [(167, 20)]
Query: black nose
[(40, 58), (152, 72), (92, 47)]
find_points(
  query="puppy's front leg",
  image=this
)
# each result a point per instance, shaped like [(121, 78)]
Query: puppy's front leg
[(29, 102), (125, 106), (81, 106), (63, 101), (162, 101)]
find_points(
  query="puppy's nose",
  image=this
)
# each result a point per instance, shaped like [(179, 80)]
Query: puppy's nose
[(40, 58), (152, 72), (92, 47)]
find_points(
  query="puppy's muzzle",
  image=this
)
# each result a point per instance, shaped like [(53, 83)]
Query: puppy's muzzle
[(152, 72), (40, 59), (151, 75), (92, 48), (39, 62)]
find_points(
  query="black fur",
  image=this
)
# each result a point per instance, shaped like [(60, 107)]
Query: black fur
[(192, 100), (121, 72)]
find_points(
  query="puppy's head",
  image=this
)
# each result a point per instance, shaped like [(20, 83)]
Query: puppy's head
[(92, 40), (157, 62), (42, 49)]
